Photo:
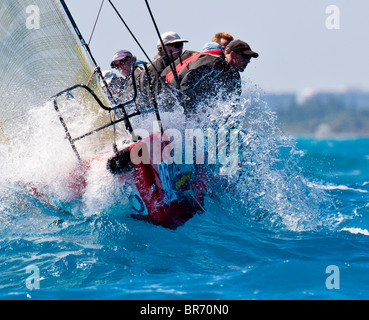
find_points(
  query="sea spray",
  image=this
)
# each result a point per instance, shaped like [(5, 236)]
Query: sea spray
[(267, 185), (40, 159), (270, 185), (248, 243)]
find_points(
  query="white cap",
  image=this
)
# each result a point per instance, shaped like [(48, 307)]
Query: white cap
[(170, 37)]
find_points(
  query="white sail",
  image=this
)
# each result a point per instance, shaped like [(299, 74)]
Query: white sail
[(40, 55)]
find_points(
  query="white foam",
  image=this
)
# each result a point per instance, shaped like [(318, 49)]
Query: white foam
[(335, 187), (356, 231)]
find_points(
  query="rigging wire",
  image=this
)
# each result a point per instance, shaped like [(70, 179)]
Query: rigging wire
[(112, 114), (133, 36), (172, 64), (87, 47), (97, 18)]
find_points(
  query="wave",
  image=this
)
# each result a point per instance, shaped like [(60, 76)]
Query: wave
[(364, 232), (331, 186)]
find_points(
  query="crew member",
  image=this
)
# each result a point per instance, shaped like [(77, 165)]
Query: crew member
[(210, 74), (166, 59), (223, 38), (172, 50), (123, 61), (211, 46)]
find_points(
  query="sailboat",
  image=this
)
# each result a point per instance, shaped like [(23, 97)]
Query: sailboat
[(44, 56)]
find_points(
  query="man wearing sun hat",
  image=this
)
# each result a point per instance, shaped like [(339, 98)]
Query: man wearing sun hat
[(170, 49), (173, 47)]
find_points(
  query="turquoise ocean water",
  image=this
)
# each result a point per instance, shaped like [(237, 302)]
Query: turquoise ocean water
[(303, 208)]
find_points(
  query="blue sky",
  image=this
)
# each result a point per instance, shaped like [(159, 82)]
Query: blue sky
[(296, 49)]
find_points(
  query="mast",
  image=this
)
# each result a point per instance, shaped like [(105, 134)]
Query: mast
[(75, 27), (97, 68)]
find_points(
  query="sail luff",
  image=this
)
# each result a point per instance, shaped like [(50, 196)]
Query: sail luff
[(78, 32), (40, 55)]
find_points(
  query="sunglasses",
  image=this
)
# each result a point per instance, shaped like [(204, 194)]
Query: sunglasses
[(245, 56), (120, 63), (176, 45)]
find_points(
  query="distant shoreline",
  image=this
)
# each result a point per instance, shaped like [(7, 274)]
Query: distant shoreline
[(323, 114)]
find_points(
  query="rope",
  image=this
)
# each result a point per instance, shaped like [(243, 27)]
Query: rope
[(88, 83), (133, 36), (172, 64)]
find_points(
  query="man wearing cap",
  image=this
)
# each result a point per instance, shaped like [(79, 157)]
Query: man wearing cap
[(123, 61), (113, 85), (211, 74), (170, 52)]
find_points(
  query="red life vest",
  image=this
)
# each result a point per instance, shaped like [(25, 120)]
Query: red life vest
[(184, 63)]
